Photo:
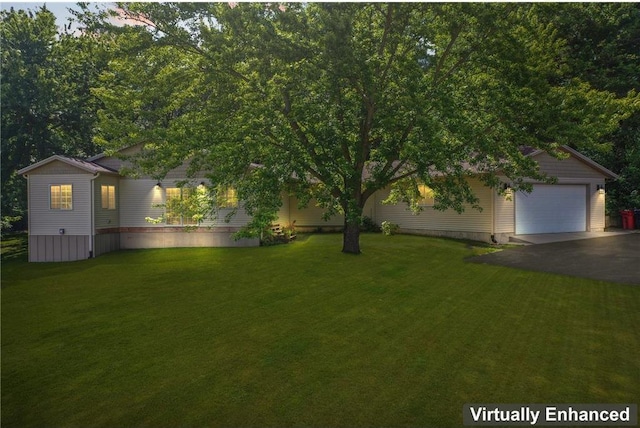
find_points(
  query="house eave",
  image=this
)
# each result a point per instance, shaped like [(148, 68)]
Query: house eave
[(83, 165)]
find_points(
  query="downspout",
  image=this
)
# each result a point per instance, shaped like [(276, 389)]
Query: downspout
[(26, 176), (493, 216), (93, 220)]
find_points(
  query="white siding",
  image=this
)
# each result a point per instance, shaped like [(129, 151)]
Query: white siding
[(471, 220), (45, 221), (504, 213), (283, 213), (138, 197), (570, 167), (311, 216), (596, 212)]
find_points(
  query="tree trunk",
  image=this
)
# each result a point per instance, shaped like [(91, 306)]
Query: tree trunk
[(351, 238)]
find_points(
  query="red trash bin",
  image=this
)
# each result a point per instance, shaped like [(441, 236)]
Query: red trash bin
[(627, 219)]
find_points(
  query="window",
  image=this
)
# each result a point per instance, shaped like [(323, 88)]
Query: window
[(108, 194), (227, 197), (61, 197), (177, 207), (427, 197)]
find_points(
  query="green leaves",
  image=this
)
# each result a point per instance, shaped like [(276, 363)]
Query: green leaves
[(336, 101), (47, 107)]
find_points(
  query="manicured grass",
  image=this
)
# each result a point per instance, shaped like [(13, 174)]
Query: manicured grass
[(302, 335)]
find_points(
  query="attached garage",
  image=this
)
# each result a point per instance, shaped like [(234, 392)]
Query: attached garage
[(551, 209)]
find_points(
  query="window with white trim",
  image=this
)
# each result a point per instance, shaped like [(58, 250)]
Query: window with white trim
[(108, 194), (227, 197), (176, 206), (61, 197)]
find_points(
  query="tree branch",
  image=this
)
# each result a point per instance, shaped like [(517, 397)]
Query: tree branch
[(447, 51)]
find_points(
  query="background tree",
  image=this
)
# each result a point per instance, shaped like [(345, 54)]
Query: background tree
[(337, 101), (602, 48), (47, 106)]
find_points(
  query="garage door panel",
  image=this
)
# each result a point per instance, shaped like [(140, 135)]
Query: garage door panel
[(551, 209)]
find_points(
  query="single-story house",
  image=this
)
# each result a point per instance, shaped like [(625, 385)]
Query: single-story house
[(80, 209)]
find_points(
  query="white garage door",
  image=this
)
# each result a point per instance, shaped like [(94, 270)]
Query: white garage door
[(552, 209)]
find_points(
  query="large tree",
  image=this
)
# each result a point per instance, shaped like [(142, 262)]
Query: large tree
[(337, 101), (602, 48), (47, 107)]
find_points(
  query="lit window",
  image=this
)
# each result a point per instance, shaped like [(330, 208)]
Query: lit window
[(227, 197), (108, 194), (61, 197), (427, 196), (177, 207)]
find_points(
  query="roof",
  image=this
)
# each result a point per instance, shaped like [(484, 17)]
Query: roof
[(87, 166), (587, 161)]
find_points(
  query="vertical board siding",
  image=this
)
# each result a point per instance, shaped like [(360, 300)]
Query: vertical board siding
[(105, 243), (45, 221), (58, 248)]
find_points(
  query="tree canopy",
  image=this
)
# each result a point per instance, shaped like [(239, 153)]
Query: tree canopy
[(336, 101), (47, 106), (602, 49)]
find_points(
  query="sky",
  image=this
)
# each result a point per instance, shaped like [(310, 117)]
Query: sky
[(59, 9)]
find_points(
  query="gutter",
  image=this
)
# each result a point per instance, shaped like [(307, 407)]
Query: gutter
[(26, 177)]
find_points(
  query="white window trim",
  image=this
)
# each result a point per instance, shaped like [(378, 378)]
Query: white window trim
[(51, 186), (227, 198), (110, 188), (181, 216)]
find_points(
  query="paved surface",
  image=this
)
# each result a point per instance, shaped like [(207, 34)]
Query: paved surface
[(614, 258), (545, 238)]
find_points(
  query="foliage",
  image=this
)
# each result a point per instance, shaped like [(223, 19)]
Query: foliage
[(47, 107), (337, 101), (368, 225), (8, 222), (602, 48), (389, 228), (289, 231)]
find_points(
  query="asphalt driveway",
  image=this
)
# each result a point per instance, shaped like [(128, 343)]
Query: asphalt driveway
[(614, 259)]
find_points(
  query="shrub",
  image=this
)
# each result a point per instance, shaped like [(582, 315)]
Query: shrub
[(368, 225), (389, 228)]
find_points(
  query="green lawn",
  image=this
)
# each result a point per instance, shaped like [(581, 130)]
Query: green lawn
[(302, 335)]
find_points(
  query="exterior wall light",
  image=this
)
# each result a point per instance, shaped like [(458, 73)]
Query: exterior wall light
[(158, 184), (600, 189)]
